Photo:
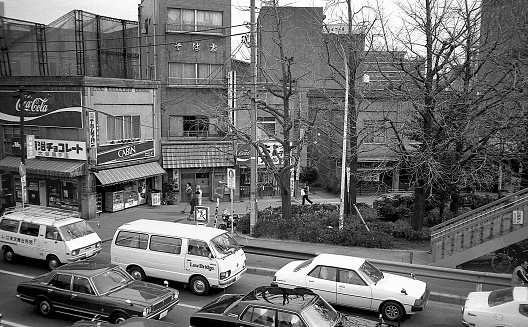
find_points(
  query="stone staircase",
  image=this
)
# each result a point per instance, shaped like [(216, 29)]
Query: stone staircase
[(480, 231)]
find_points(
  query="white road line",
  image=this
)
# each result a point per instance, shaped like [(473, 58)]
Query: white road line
[(10, 323), (16, 274), (189, 306)]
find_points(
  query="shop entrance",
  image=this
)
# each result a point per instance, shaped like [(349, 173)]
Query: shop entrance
[(196, 178)]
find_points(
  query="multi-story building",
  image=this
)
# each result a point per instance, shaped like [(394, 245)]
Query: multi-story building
[(92, 126), (186, 45)]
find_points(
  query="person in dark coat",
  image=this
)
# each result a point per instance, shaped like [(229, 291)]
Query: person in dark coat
[(194, 203), (188, 196)]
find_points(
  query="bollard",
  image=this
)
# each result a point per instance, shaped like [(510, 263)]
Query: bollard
[(411, 256)]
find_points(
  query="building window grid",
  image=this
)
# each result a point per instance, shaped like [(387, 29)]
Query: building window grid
[(195, 126), (123, 127), (375, 132), (12, 135), (191, 20), (267, 125), (195, 73)]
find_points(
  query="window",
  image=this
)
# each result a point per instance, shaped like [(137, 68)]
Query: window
[(199, 248), (61, 281), (195, 74), (195, 126), (52, 233), (261, 316), (9, 225), (132, 240), (267, 125), (165, 244), (122, 127), (374, 132), (12, 137), (82, 285), (189, 20), (288, 319), (323, 272), (350, 277), (29, 229)]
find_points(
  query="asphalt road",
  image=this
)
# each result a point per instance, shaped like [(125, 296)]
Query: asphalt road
[(19, 314)]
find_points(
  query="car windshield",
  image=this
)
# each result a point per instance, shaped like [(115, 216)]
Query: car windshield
[(111, 280), (370, 272), (320, 314), (224, 245), (500, 297), (75, 230)]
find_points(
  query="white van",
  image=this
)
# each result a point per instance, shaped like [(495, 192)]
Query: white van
[(201, 256), (55, 235)]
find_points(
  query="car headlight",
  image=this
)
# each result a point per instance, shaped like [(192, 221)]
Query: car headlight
[(97, 245), (147, 311), (225, 274), (75, 252), (175, 295)]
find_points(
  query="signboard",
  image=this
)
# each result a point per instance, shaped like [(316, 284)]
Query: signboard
[(276, 152), (201, 215), (30, 146), (518, 217), (243, 152), (125, 152), (230, 178), (23, 184), (47, 109), (93, 130), (60, 149)]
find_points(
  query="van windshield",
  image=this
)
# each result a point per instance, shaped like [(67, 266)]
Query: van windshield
[(75, 230), (224, 245)]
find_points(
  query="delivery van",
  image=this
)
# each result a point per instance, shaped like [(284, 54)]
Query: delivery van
[(200, 256), (55, 235)]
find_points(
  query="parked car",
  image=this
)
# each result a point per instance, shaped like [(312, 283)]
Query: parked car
[(132, 322), (275, 307), (355, 282), (87, 289), (505, 307)]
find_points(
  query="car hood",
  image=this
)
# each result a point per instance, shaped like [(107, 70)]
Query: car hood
[(140, 292), (395, 283)]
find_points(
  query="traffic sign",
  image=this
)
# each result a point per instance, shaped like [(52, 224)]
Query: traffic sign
[(230, 178)]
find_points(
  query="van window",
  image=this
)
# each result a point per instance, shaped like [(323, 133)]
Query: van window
[(29, 229), (199, 248), (165, 244), (132, 240), (9, 225), (50, 233), (75, 230)]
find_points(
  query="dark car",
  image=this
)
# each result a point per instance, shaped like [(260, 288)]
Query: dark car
[(89, 289), (132, 322), (275, 307)]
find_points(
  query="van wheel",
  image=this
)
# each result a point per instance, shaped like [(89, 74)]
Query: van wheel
[(53, 262), (199, 285), (9, 255), (137, 273), (45, 308)]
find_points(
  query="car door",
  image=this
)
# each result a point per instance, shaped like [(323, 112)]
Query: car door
[(52, 243), (322, 280), (59, 292), (28, 240), (198, 261), (352, 290), (84, 302), (258, 316)]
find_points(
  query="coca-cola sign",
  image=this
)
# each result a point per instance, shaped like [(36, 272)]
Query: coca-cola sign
[(57, 109)]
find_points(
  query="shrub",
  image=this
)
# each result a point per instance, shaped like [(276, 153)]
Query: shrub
[(308, 175)]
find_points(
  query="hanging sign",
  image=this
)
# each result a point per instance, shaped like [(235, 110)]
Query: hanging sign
[(30, 146), (93, 130)]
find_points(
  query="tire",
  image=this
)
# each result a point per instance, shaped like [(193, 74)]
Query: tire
[(45, 308), (199, 285), (222, 226), (53, 262), (500, 263), (118, 317), (392, 311), (137, 273), (9, 254)]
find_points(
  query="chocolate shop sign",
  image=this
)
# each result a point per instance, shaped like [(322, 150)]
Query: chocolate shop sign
[(47, 109), (109, 154)]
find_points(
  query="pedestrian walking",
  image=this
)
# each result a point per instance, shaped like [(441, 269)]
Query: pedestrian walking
[(199, 190), (194, 203), (188, 196), (519, 275), (304, 192)]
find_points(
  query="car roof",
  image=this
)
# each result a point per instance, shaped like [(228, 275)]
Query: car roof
[(42, 215), (337, 260), (87, 268), (172, 229), (297, 299)]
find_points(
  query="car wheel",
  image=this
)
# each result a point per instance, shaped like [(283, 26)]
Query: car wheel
[(53, 262), (199, 285), (137, 273), (45, 308), (9, 255), (392, 311), (118, 317)]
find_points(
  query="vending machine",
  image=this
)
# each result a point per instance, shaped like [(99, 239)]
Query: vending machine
[(114, 201)]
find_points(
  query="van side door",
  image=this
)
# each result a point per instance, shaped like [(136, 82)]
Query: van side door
[(28, 239), (167, 258), (52, 243), (199, 260)]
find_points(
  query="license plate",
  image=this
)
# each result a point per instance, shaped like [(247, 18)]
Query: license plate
[(163, 314)]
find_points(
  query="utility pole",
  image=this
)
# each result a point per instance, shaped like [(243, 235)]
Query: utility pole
[(253, 67), (344, 153), (22, 168)]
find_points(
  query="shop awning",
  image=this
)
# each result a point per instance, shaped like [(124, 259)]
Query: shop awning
[(193, 155), (128, 173), (52, 168)]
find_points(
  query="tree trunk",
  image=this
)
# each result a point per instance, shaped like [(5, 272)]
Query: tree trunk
[(419, 205)]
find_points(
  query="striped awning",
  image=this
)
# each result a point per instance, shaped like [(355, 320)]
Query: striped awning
[(45, 167), (128, 173), (193, 155)]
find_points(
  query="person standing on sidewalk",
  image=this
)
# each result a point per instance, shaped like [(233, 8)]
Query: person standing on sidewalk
[(199, 191), (188, 196), (519, 277), (194, 202), (304, 193)]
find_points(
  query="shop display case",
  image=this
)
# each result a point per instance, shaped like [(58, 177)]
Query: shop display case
[(131, 199), (114, 201)]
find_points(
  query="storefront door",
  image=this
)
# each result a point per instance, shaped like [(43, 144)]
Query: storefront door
[(33, 192)]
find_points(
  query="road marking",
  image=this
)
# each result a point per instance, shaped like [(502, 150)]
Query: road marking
[(10, 323), (189, 306), (16, 274)]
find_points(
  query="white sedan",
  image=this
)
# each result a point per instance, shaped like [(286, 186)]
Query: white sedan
[(355, 282), (505, 308)]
